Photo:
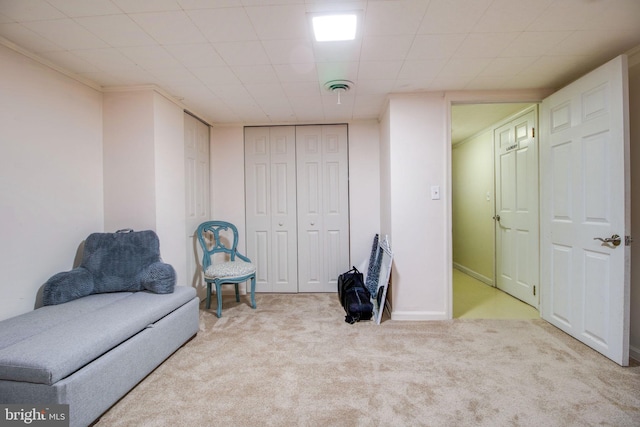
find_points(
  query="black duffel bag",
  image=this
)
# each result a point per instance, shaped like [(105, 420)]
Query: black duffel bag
[(354, 296)]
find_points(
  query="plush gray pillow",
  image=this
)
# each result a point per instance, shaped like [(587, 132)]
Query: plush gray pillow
[(114, 262)]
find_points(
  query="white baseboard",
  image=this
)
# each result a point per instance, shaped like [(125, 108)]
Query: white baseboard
[(418, 315), (634, 353), (475, 275)]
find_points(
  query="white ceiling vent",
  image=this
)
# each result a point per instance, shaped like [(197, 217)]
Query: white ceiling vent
[(338, 86)]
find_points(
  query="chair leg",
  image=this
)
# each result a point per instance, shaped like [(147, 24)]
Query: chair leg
[(253, 292), (219, 295), (208, 295), (237, 293)]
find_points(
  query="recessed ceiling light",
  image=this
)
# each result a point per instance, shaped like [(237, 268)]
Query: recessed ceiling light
[(328, 28)]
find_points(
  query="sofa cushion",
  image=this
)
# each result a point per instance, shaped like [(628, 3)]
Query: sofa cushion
[(53, 353)]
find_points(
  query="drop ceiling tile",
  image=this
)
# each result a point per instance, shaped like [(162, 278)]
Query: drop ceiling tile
[(134, 76), (108, 59), (452, 16), (506, 67), (289, 51), (32, 10), (150, 57), (464, 67), (450, 82), (196, 55), (433, 46), (296, 73), (208, 4), (379, 70), (27, 39), (298, 89), (368, 107), (169, 27), (67, 33), (77, 8), (595, 42), (69, 61), (262, 91), (510, 15), (216, 76), (279, 22), (375, 87), (138, 6), (337, 71), (337, 51), (179, 76), (252, 74), (484, 45), (393, 17), (242, 53), (386, 48), (569, 15), (224, 25), (116, 30), (424, 69), (534, 43)]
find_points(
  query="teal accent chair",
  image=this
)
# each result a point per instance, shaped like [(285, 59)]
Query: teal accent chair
[(234, 268)]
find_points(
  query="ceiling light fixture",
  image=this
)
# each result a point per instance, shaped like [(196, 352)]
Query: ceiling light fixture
[(339, 87), (328, 28)]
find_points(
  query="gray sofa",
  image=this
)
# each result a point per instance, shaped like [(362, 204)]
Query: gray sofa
[(88, 349)]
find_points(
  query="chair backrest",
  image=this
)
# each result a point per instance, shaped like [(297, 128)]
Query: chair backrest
[(212, 243)]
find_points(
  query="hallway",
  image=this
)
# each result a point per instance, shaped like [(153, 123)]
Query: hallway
[(473, 299)]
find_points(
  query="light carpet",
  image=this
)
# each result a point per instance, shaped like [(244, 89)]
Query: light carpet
[(294, 362)]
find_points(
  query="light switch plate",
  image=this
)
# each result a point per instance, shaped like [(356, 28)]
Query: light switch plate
[(435, 192)]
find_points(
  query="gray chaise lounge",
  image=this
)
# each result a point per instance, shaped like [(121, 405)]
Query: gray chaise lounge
[(89, 348)]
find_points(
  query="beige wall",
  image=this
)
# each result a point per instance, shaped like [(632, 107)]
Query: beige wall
[(144, 170), (472, 201), (51, 185)]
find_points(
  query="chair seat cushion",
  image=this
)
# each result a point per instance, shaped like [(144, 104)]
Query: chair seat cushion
[(230, 269)]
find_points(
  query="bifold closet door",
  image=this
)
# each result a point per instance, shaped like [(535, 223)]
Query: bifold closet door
[(197, 205), (323, 206), (270, 185)]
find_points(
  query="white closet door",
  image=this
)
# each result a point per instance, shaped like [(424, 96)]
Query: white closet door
[(271, 206), (197, 209), (323, 206)]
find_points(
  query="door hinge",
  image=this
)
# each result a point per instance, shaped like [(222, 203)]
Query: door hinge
[(628, 240), (533, 132), (534, 290)]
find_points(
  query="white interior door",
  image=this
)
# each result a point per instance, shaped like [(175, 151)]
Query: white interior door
[(516, 178), (585, 196), (196, 150), (323, 206), (270, 174)]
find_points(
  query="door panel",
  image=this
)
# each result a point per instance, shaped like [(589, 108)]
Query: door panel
[(323, 215), (271, 206), (585, 181), (197, 206), (517, 208)]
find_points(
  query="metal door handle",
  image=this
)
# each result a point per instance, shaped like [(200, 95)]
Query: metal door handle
[(615, 240), (497, 218)]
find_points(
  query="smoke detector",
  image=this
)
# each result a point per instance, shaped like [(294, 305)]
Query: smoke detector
[(338, 86)]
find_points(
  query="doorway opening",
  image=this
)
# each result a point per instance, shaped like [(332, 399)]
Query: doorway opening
[(476, 249)]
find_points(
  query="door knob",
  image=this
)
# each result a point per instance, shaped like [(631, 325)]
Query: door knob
[(280, 224), (615, 240), (497, 218)]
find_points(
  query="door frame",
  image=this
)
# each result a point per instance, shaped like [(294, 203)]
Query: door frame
[(453, 98)]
